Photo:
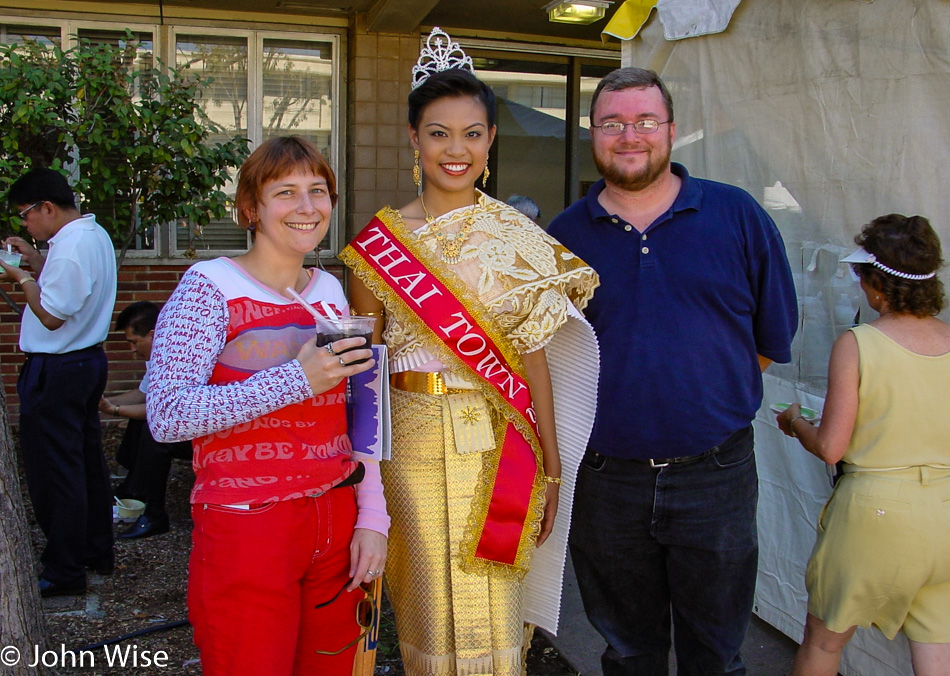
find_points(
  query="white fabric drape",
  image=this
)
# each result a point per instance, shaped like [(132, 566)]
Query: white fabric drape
[(830, 112)]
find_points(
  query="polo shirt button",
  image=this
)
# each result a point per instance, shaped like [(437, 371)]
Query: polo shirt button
[(628, 227), (644, 238), (614, 220), (645, 249)]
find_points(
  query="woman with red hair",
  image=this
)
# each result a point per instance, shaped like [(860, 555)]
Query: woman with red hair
[(288, 523)]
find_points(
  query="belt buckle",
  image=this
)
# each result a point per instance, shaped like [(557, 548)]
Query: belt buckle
[(664, 462)]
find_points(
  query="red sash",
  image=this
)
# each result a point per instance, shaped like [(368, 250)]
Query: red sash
[(443, 312)]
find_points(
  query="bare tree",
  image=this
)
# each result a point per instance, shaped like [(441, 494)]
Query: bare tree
[(21, 616)]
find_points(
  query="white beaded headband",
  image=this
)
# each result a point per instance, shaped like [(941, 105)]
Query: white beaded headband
[(436, 57), (861, 255)]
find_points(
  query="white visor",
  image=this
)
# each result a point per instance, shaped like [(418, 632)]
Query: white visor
[(859, 255)]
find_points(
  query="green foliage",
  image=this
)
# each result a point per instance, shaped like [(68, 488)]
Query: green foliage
[(132, 138)]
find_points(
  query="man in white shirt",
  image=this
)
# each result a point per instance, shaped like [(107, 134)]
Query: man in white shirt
[(70, 296)]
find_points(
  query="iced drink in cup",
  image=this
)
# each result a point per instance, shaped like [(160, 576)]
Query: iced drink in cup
[(347, 327), (11, 258)]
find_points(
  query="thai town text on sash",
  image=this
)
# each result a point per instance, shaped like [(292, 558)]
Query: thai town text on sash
[(433, 302)]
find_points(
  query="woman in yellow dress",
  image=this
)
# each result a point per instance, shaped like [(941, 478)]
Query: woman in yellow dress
[(478, 302), (883, 555)]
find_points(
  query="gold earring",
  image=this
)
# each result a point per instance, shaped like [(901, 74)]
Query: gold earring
[(416, 170), (486, 173)]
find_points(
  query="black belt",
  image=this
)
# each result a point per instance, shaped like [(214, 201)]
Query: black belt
[(91, 348), (685, 459), (356, 476)]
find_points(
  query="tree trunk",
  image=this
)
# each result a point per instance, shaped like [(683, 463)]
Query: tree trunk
[(22, 625)]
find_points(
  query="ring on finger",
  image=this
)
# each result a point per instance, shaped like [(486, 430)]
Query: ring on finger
[(329, 347), (343, 363)]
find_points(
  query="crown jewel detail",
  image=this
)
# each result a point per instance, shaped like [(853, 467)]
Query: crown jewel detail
[(436, 57)]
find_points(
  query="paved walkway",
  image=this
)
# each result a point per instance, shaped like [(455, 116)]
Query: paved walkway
[(766, 651)]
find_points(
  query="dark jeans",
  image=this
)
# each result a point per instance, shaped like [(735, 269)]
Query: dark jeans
[(66, 473), (647, 543), (149, 463)]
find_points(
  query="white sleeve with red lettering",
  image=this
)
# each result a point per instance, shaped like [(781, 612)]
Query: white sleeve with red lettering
[(190, 335)]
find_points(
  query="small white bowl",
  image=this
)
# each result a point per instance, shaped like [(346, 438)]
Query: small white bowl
[(129, 509)]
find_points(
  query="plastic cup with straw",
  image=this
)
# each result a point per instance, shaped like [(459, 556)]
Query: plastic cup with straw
[(333, 327)]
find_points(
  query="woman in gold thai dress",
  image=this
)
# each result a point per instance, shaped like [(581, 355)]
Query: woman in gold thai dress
[(457, 558)]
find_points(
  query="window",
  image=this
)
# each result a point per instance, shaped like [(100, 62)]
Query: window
[(265, 83), (225, 101), (44, 35), (533, 155)]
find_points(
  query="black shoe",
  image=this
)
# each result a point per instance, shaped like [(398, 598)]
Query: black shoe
[(49, 589), (145, 527)]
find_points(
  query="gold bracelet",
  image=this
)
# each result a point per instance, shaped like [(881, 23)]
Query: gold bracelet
[(24, 280), (370, 314), (115, 409), (552, 480)]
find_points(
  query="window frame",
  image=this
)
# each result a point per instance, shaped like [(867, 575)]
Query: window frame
[(164, 41), (574, 58)]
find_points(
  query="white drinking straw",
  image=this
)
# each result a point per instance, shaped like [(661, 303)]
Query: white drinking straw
[(330, 313), (309, 308)]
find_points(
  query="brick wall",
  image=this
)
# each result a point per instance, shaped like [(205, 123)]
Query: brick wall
[(136, 282), (379, 156)]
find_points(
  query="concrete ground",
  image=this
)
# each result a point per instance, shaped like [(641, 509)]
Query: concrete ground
[(766, 651)]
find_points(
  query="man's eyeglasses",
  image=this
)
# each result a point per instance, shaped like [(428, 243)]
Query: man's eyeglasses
[(367, 616), (23, 213), (640, 126)]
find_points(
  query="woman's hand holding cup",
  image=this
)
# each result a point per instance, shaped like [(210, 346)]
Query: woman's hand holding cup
[(326, 368)]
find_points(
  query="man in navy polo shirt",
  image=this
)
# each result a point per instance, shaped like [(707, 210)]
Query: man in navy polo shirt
[(696, 299)]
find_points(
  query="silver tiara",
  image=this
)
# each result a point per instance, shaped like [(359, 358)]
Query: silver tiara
[(436, 57)]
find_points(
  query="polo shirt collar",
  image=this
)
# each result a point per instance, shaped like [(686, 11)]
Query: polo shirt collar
[(691, 191), (84, 222), (689, 197)]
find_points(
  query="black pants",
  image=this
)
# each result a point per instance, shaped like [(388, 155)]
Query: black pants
[(61, 443), (149, 463)]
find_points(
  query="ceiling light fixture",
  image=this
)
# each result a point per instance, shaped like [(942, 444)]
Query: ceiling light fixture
[(579, 12)]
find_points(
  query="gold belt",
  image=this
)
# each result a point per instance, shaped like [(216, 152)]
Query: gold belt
[(417, 381)]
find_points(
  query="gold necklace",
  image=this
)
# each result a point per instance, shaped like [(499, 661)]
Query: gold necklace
[(450, 243)]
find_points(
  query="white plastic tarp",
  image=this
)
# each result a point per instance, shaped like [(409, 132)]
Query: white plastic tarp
[(831, 113)]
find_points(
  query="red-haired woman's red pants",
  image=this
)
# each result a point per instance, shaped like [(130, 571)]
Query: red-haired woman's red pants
[(255, 576)]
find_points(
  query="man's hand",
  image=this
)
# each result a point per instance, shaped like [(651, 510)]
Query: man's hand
[(12, 274), (30, 255)]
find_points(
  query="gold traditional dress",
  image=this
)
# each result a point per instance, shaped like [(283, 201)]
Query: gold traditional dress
[(456, 615)]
